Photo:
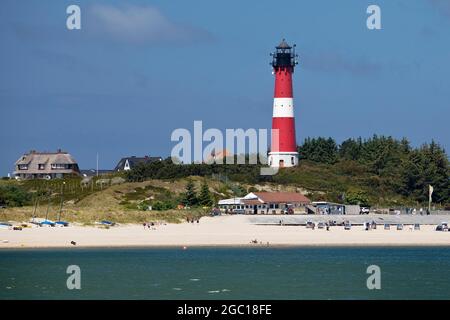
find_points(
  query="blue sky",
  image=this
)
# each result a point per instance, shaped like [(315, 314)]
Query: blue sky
[(137, 70)]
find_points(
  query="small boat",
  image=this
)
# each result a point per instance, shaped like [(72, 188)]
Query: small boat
[(400, 226), (47, 223), (6, 224), (107, 223), (62, 223), (443, 226), (321, 225)]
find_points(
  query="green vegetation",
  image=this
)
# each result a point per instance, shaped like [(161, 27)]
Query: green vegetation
[(380, 171), (204, 198), (376, 171), (14, 196), (190, 195), (357, 197), (167, 170)]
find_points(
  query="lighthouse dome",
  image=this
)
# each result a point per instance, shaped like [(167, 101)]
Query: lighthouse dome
[(283, 45)]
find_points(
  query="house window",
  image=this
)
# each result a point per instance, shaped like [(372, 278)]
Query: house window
[(59, 166), (41, 166), (292, 160), (23, 167)]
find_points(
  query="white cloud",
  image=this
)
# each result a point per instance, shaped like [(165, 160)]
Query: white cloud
[(142, 24)]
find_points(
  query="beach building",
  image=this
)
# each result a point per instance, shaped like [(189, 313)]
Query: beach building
[(232, 205), (129, 163), (324, 207), (46, 165), (267, 203)]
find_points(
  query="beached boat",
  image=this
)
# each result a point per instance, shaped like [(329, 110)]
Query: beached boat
[(107, 223), (6, 224), (400, 226), (443, 226), (47, 223)]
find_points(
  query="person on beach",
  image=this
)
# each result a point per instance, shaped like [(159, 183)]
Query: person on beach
[(144, 224)]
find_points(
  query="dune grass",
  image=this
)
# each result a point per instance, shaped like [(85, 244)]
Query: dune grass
[(89, 216)]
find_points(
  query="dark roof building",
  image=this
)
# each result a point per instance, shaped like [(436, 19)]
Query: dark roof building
[(129, 163)]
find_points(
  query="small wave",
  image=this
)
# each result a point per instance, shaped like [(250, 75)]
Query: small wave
[(214, 291), (177, 289), (225, 290), (194, 279)]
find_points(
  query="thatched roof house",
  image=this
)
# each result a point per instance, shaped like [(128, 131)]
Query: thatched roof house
[(46, 165)]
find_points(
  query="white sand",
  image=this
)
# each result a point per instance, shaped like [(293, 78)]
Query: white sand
[(218, 231)]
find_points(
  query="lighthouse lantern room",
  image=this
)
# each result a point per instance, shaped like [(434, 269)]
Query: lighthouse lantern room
[(283, 151)]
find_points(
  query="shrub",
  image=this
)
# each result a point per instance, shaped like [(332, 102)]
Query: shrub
[(14, 196)]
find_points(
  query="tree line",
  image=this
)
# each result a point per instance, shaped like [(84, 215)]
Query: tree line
[(379, 163), (405, 170)]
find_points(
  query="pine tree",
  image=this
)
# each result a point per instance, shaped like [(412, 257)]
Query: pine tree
[(190, 195), (204, 199)]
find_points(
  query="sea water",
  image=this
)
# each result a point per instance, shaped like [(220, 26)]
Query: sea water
[(226, 273)]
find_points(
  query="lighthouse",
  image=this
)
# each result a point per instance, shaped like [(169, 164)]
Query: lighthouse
[(283, 151)]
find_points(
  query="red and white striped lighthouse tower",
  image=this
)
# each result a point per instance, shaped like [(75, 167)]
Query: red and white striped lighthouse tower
[(283, 151)]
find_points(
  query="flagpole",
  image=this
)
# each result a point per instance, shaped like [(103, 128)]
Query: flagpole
[(430, 192), (97, 165)]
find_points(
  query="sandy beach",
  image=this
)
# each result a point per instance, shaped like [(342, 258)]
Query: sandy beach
[(219, 231)]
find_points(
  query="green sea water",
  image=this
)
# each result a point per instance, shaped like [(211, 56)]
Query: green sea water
[(226, 273)]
